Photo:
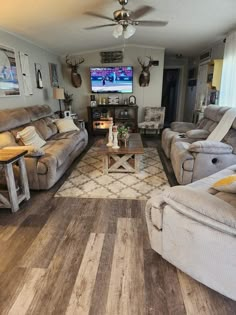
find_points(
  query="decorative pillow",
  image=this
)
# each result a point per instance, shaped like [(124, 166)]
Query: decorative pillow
[(29, 136), (32, 151), (65, 125), (6, 138), (226, 184)]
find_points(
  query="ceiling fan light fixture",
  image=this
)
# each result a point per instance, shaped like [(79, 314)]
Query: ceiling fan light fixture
[(118, 31), (129, 31)]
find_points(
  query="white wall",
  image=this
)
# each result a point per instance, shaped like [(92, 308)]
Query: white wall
[(146, 96), (36, 55)]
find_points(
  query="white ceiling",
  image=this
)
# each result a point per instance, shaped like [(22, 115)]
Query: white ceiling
[(58, 24)]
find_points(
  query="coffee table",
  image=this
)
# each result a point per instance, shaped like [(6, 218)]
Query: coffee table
[(122, 160)]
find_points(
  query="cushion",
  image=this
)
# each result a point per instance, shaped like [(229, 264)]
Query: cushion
[(32, 151), (197, 134), (226, 184), (152, 114), (65, 125), (6, 139), (29, 136), (45, 127)]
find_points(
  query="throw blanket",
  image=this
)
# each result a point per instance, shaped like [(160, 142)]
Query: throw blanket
[(223, 126)]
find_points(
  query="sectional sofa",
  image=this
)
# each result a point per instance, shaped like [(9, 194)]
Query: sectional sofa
[(60, 149)]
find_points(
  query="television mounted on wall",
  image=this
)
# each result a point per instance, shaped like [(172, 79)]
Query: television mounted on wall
[(111, 79)]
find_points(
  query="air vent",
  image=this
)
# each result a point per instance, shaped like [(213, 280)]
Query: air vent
[(205, 56)]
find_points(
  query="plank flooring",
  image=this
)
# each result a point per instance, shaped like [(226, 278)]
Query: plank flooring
[(91, 256)]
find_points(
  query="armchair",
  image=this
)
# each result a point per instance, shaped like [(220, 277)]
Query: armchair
[(153, 119)]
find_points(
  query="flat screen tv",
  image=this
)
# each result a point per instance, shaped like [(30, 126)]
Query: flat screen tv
[(111, 79)]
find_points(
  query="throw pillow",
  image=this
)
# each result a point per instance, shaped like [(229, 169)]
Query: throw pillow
[(65, 125), (32, 151), (226, 184), (29, 136), (6, 138)]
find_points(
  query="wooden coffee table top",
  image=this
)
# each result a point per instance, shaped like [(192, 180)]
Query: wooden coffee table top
[(134, 146)]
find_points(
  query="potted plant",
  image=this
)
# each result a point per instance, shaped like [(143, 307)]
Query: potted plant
[(68, 100), (123, 133)]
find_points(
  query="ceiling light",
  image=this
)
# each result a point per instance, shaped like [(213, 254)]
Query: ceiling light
[(118, 31), (129, 31)]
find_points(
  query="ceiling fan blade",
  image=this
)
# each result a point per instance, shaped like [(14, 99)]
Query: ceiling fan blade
[(99, 16), (141, 11), (98, 26), (151, 23)]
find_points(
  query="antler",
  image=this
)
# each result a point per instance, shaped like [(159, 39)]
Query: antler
[(140, 62), (68, 61), (81, 60)]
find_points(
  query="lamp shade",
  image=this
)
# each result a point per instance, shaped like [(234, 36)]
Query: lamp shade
[(58, 93), (130, 30)]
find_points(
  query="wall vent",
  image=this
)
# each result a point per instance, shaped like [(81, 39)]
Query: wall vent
[(205, 56)]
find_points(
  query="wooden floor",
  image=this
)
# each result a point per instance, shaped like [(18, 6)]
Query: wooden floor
[(90, 256)]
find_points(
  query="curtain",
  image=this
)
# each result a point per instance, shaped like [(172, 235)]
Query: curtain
[(228, 81)]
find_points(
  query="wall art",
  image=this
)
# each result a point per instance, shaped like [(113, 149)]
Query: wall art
[(53, 74), (9, 84)]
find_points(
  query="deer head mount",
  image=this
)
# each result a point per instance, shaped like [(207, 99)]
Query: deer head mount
[(76, 79), (144, 77)]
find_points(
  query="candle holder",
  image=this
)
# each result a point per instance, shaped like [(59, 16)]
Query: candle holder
[(115, 138), (110, 135)]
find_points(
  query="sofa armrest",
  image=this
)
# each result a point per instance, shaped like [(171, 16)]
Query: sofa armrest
[(182, 127), (197, 134), (199, 204), (210, 147)]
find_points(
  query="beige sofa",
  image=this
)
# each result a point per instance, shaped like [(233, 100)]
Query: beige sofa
[(194, 228), (60, 149)]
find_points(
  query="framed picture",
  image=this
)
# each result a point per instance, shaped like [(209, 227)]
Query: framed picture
[(9, 84), (53, 74)]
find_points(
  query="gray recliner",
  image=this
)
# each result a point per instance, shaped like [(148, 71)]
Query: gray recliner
[(192, 161), (189, 132)]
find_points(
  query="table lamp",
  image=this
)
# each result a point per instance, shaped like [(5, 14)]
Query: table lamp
[(58, 94)]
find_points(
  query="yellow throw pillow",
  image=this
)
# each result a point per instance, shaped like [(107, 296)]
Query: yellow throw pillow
[(65, 125), (29, 136), (226, 184)]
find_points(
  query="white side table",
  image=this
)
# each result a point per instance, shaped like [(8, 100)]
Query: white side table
[(7, 159)]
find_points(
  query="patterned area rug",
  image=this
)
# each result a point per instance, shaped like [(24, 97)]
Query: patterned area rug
[(88, 181)]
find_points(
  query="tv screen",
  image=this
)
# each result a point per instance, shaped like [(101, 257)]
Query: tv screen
[(111, 79)]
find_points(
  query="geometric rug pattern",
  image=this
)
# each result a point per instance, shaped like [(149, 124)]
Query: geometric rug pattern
[(88, 181)]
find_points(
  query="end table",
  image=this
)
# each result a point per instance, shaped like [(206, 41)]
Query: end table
[(7, 159)]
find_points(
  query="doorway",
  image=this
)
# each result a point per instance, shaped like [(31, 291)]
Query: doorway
[(170, 94)]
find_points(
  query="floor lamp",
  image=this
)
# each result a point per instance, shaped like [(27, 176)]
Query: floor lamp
[(58, 94)]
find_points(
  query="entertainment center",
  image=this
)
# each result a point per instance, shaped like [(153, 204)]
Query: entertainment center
[(98, 116)]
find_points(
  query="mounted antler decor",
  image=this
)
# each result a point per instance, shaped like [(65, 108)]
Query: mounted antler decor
[(144, 77), (76, 79)]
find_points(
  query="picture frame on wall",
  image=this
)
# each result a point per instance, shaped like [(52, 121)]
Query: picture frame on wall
[(53, 74), (9, 84), (38, 76)]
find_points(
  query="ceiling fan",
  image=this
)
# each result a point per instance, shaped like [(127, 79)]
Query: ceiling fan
[(125, 20)]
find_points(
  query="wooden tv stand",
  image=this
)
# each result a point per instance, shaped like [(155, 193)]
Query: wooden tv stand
[(126, 115)]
